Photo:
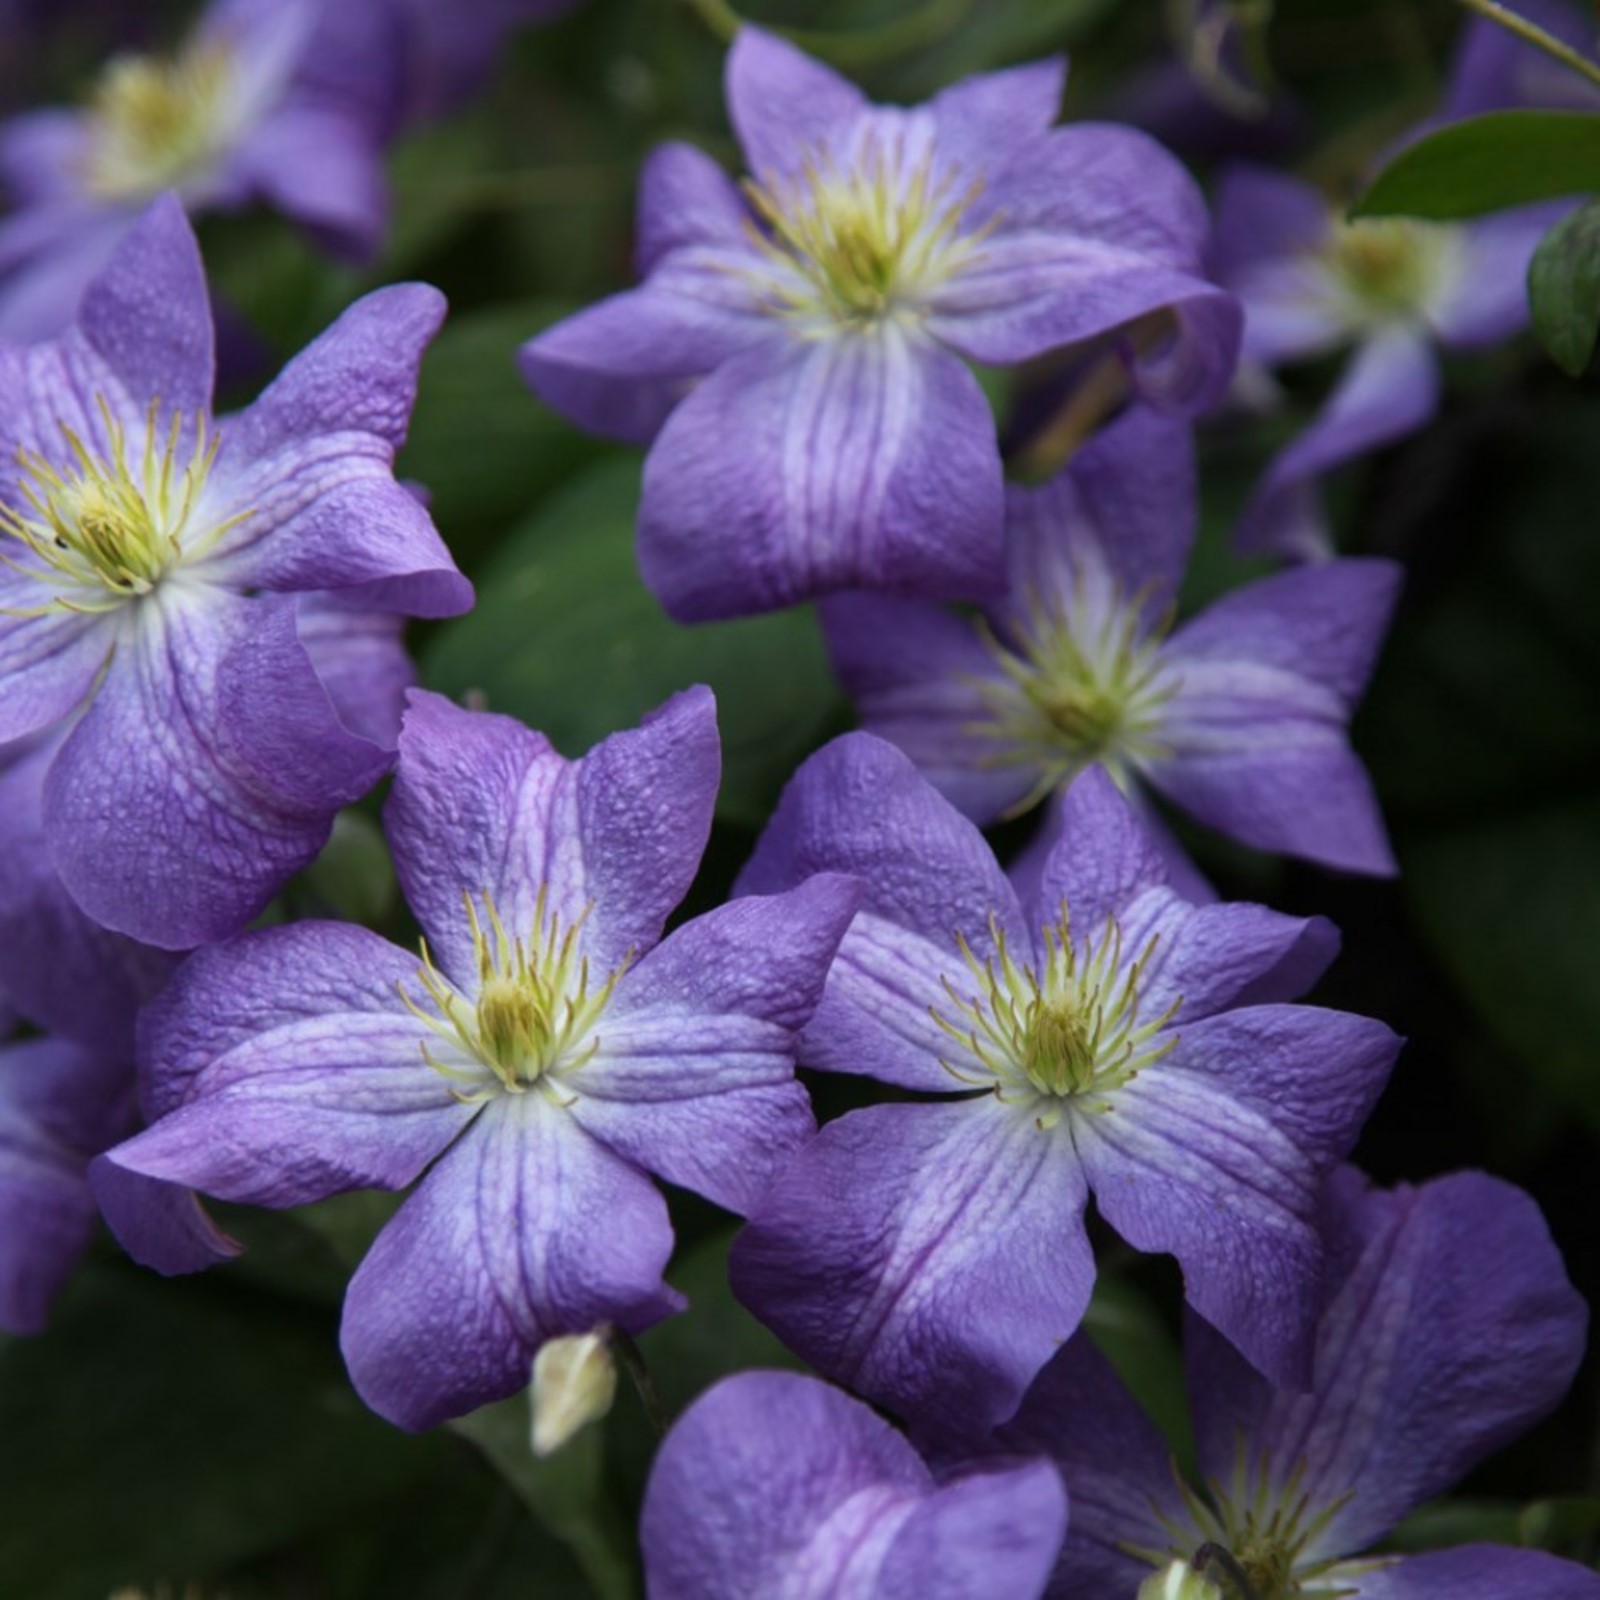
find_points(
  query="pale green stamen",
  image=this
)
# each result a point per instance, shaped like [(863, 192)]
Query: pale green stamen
[(154, 120), (862, 243), (532, 1021), (1080, 690), (1072, 1031), (1389, 266), (106, 528)]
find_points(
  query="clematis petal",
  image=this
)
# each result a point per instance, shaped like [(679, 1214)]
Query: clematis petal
[(1476, 1572), (1181, 1165), (1452, 1329), (694, 1077), (1390, 389), (1256, 732), (74, 978), (162, 1226), (987, 121), (1116, 1466), (41, 155), (283, 1067), (619, 367), (205, 773), (932, 1257), (482, 805), (767, 1478), (686, 199), (311, 463), (58, 1104), (861, 462), (49, 662), (859, 807), (915, 671), (1494, 70), (360, 658), (525, 1229), (1488, 298), (784, 106)]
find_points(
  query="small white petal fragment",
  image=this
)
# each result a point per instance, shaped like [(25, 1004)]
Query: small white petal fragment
[(574, 1383), (1179, 1582)]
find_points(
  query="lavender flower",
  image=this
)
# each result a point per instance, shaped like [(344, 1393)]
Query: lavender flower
[(773, 1483), (1449, 1327), (151, 564), (1239, 715), (1390, 287), (282, 101), (544, 1056), (797, 346), (1106, 1037)]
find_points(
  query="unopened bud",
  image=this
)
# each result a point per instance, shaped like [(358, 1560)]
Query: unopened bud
[(574, 1383), (1179, 1582)]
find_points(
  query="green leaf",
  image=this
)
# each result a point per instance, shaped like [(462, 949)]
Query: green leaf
[(566, 637), (480, 443), (1507, 158), (165, 1431), (1446, 1523), (1129, 1332), (353, 879), (1564, 289)]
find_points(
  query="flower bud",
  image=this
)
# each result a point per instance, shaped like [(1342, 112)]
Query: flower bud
[(574, 1383), (1179, 1582)]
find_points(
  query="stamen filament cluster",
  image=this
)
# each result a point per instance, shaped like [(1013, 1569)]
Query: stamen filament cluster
[(1070, 1032), (107, 529), (535, 1007), (154, 119)]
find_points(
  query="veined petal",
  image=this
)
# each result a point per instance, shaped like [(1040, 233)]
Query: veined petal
[(932, 1257), (527, 1228), (205, 773), (311, 463), (686, 199), (914, 670), (1475, 1572), (1452, 1329), (694, 1075), (1390, 389), (784, 105), (482, 805), (987, 121), (859, 807), (162, 1226), (619, 367), (48, 662), (1177, 1164), (284, 1067), (360, 658), (859, 461)]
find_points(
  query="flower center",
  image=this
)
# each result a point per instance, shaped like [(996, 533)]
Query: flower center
[(153, 120), (533, 1018), (105, 527), (1071, 1030), (1079, 690), (1389, 265), (856, 244)]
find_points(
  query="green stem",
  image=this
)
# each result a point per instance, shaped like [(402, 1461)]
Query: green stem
[(863, 48), (1536, 36)]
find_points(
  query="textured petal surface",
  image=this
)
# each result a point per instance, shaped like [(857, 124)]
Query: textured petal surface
[(1453, 1329), (686, 199), (694, 1077), (482, 805), (360, 658), (859, 807), (932, 1257), (784, 105), (799, 468), (990, 119), (162, 1226), (206, 772), (527, 1228)]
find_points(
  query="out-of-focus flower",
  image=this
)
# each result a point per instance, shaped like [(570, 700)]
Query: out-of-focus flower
[(773, 1483), (1390, 287), (544, 1058), (285, 102), (1106, 1037), (1448, 1328), (1240, 715), (795, 351), (153, 564)]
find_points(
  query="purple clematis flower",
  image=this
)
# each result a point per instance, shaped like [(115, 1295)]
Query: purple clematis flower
[(1107, 1037), (288, 102), (775, 1484), (547, 1054), (1448, 1329), (150, 564), (1388, 288), (1239, 716), (797, 347)]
